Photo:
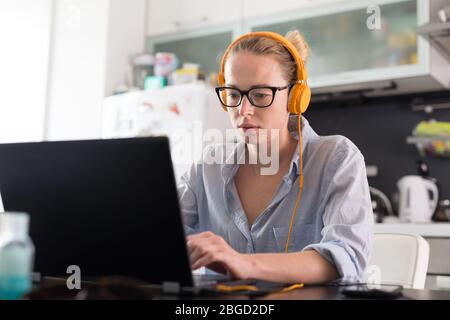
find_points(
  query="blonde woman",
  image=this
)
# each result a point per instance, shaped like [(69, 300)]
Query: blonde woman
[(311, 221)]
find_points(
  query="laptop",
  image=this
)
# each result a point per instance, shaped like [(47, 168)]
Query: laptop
[(108, 207)]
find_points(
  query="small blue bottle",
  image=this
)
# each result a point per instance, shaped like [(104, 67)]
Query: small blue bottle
[(16, 256)]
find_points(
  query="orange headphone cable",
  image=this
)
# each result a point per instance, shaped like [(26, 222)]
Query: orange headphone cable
[(300, 183)]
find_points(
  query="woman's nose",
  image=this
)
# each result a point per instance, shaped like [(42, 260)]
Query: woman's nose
[(246, 107)]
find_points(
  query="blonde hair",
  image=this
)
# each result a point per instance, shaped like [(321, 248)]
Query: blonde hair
[(268, 47)]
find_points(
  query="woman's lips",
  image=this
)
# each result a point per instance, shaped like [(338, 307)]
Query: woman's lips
[(248, 127)]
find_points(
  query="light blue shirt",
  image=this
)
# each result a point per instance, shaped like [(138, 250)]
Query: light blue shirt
[(335, 216)]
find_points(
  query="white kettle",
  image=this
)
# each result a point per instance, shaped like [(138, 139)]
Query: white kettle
[(418, 199)]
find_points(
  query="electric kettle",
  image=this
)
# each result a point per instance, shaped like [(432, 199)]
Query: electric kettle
[(418, 199)]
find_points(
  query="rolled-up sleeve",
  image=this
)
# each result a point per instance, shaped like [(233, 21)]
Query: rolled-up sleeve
[(348, 217), (188, 200)]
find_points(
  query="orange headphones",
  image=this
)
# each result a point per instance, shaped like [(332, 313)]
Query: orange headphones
[(300, 96)]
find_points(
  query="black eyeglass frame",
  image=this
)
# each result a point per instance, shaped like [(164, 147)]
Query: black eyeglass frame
[(246, 93)]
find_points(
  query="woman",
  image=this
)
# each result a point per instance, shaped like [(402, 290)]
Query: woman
[(248, 224)]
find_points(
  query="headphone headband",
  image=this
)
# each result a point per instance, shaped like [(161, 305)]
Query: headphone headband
[(302, 73), (300, 93)]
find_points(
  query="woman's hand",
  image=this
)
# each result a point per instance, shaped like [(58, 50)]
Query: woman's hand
[(209, 250)]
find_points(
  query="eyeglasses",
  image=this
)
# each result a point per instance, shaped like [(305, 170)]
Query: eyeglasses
[(260, 97)]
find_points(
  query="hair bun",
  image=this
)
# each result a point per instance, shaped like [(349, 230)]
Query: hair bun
[(297, 39)]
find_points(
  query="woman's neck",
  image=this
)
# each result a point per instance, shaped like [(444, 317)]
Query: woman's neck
[(283, 150)]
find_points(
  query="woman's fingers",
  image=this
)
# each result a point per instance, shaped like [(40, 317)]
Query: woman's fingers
[(202, 235), (208, 250), (200, 247), (201, 240), (211, 260), (198, 252), (205, 260)]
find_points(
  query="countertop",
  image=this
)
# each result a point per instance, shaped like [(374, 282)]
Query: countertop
[(434, 230)]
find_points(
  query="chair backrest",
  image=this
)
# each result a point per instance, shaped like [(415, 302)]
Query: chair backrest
[(400, 259)]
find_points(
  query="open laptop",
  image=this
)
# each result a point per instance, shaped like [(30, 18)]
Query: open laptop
[(109, 207)]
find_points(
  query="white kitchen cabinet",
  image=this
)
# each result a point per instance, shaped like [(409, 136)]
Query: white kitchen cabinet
[(200, 47), (350, 52), (258, 8), (172, 16), (371, 46), (162, 16)]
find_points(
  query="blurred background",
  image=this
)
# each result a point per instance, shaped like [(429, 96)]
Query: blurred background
[(379, 72)]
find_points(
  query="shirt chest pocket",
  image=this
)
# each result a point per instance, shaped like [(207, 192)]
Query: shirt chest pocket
[(300, 237)]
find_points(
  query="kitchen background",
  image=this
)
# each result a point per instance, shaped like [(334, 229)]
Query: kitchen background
[(379, 127), (379, 71)]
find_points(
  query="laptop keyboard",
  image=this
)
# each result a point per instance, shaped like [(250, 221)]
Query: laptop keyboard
[(202, 280)]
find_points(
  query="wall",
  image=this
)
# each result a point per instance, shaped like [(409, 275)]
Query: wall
[(379, 127), (77, 72), (126, 37), (92, 45), (25, 42)]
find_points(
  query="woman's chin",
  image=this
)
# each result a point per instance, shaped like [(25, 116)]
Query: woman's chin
[(249, 136)]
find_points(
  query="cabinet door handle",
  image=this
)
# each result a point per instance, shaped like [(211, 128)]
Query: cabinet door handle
[(180, 24)]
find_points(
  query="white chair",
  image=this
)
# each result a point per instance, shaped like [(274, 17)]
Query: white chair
[(400, 259)]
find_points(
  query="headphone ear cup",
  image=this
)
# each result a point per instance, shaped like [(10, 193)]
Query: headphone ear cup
[(304, 98), (293, 100), (300, 99)]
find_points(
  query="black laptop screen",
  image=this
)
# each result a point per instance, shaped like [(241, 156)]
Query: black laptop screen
[(107, 206)]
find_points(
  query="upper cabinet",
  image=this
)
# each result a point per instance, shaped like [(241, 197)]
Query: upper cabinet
[(261, 8), (365, 45), (172, 16), (356, 45), (203, 48), (348, 43)]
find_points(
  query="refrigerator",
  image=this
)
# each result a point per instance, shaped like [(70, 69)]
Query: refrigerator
[(183, 113)]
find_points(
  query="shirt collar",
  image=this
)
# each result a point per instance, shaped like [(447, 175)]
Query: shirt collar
[(230, 166), (308, 134)]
